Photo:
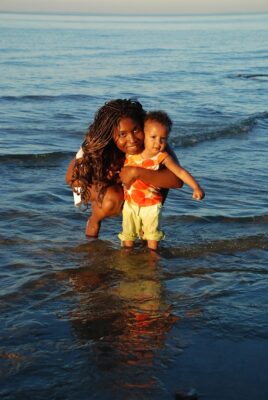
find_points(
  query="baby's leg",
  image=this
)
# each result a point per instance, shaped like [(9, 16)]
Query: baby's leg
[(128, 244), (131, 225), (110, 206), (150, 219), (152, 244)]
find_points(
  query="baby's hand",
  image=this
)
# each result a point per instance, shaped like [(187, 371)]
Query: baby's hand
[(198, 194)]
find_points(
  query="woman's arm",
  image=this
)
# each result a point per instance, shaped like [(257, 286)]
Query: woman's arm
[(162, 178)]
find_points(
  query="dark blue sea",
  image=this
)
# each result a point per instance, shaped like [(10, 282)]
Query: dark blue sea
[(83, 319)]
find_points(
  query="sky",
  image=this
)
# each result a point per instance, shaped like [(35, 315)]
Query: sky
[(135, 6)]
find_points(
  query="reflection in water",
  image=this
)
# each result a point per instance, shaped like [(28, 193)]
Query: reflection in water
[(123, 312)]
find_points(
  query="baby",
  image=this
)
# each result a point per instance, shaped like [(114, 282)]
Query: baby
[(143, 202)]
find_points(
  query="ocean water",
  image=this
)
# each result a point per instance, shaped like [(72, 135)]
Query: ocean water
[(83, 319)]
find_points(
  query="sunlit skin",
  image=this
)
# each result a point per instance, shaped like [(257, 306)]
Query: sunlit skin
[(155, 138), (155, 141), (129, 138)]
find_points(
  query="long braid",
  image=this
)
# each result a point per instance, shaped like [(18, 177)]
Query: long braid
[(101, 159)]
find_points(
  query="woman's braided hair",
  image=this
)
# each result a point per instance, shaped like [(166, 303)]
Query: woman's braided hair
[(101, 159)]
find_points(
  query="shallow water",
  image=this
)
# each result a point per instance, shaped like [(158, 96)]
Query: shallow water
[(85, 319)]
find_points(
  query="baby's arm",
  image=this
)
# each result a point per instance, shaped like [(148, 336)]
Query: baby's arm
[(185, 176)]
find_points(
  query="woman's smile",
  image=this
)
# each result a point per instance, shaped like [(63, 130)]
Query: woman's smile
[(129, 136)]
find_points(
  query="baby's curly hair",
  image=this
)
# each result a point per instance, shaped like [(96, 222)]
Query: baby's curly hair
[(160, 116), (102, 160)]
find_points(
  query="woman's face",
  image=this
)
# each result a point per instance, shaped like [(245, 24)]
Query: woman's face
[(129, 136)]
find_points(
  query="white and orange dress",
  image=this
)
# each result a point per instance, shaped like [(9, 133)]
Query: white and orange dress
[(143, 203)]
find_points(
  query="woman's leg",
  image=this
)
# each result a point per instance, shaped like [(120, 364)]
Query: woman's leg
[(110, 206)]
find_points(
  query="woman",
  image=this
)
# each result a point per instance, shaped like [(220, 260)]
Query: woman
[(117, 129)]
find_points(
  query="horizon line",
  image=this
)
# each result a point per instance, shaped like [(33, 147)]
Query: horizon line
[(76, 13)]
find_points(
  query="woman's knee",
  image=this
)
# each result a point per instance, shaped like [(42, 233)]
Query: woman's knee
[(113, 200)]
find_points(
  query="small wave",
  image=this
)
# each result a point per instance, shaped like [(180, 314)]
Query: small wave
[(257, 219), (44, 98), (13, 241), (251, 76), (240, 128), (36, 158), (64, 116), (241, 244)]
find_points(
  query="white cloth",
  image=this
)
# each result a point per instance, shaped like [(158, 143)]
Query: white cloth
[(77, 195)]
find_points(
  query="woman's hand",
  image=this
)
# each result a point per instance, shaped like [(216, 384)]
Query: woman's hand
[(128, 175)]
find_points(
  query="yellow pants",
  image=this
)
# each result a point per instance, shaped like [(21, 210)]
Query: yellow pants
[(141, 222)]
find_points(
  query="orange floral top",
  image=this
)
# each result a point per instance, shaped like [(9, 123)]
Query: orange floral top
[(141, 193)]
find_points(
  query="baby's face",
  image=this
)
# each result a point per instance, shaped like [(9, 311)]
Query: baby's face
[(155, 138)]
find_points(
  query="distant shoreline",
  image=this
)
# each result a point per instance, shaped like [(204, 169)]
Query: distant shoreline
[(171, 15)]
